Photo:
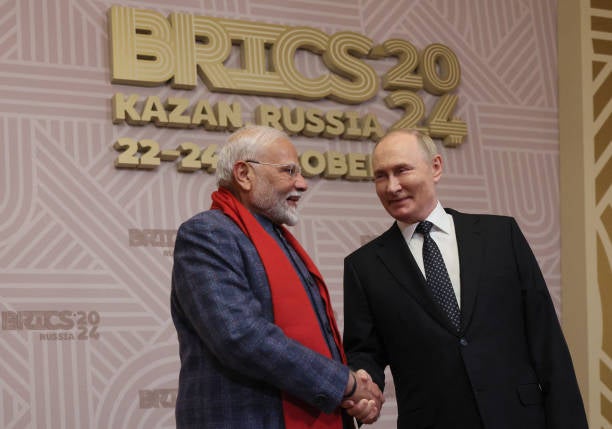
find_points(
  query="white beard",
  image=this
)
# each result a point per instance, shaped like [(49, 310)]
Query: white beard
[(274, 206)]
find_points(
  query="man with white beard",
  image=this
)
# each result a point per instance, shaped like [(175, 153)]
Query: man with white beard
[(258, 342)]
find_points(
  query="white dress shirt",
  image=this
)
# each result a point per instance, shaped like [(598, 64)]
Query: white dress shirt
[(443, 233)]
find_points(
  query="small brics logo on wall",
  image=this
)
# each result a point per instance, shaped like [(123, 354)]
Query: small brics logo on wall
[(55, 325), (158, 398), (163, 238)]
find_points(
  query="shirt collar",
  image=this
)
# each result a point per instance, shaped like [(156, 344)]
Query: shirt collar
[(266, 223), (438, 217)]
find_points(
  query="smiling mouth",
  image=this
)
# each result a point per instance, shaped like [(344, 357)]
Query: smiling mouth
[(399, 200)]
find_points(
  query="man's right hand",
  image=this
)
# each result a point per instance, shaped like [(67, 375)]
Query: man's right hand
[(365, 402)]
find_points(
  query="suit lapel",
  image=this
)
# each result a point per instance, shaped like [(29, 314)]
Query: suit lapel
[(397, 258), (469, 243)]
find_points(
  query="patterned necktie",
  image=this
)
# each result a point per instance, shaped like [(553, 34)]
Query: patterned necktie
[(437, 275)]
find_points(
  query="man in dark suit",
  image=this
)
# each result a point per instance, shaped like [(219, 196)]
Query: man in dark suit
[(258, 342), (457, 306)]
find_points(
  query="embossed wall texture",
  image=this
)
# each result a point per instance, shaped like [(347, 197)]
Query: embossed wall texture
[(102, 352), (601, 164)]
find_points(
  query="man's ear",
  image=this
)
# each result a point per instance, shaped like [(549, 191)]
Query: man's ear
[(243, 176), (436, 167)]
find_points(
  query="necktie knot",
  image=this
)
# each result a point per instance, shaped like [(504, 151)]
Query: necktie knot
[(424, 227)]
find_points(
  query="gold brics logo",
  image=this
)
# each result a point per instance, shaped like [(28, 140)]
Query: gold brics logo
[(149, 50), (252, 58)]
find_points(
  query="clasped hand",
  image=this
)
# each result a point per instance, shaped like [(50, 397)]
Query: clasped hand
[(366, 402)]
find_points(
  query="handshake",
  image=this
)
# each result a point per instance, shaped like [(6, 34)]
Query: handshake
[(362, 397)]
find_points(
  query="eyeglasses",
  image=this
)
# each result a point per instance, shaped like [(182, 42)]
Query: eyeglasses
[(291, 169)]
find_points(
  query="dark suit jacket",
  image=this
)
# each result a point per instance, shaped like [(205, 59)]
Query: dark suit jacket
[(508, 367)]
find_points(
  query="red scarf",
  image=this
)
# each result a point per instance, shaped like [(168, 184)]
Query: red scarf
[(293, 310)]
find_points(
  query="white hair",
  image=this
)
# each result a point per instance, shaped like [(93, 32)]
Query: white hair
[(244, 144)]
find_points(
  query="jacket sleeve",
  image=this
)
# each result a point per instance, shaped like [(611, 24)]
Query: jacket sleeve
[(221, 292), (547, 346)]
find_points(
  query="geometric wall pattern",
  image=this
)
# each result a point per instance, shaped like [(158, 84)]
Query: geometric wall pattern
[(85, 249), (601, 165)]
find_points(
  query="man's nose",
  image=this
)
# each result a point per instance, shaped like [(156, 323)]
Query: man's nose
[(300, 182), (393, 184)]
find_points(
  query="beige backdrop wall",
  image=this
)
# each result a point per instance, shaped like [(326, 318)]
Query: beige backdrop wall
[(71, 224), (585, 112)]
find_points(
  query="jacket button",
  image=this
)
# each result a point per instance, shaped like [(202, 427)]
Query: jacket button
[(463, 342)]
